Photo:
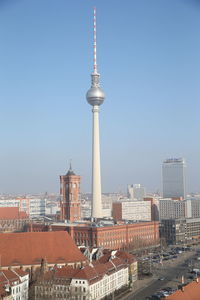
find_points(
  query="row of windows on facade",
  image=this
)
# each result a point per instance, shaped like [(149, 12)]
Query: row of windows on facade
[(60, 288)]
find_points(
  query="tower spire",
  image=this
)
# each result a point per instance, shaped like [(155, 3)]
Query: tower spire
[(95, 42)]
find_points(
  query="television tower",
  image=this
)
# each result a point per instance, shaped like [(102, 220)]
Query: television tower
[(95, 97)]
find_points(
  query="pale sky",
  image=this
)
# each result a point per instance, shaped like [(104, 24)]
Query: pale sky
[(148, 56)]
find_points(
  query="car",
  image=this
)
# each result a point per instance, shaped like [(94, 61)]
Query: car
[(161, 278)]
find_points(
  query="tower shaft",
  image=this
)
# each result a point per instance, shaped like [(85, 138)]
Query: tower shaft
[(96, 170)]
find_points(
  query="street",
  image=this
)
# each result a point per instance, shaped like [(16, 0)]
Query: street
[(170, 272)]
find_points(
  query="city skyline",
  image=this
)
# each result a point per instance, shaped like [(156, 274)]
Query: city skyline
[(148, 55)]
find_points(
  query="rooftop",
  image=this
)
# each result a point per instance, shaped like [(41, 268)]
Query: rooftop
[(29, 248), (190, 291)]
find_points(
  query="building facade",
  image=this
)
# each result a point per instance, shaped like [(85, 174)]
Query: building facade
[(131, 210), (172, 209), (92, 282), (70, 205), (176, 231), (193, 207), (173, 176)]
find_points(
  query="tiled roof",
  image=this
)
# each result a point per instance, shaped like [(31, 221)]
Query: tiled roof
[(20, 272), (10, 277), (92, 273), (190, 292), (29, 248), (12, 213), (120, 254)]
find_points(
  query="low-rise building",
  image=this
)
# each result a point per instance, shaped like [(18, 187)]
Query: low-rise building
[(92, 282)]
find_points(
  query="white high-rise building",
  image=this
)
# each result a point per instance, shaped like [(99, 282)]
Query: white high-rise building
[(173, 175)]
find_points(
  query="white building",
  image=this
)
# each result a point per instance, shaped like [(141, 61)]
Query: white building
[(15, 283), (136, 191), (132, 210), (172, 209), (92, 282), (173, 175)]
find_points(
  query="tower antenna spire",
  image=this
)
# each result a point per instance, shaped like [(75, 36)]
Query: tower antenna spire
[(95, 42)]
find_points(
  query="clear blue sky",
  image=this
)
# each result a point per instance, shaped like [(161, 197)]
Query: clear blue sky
[(149, 59)]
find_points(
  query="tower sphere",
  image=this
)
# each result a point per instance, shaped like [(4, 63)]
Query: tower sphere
[(95, 96)]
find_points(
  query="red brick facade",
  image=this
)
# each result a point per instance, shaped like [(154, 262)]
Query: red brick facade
[(135, 236), (70, 206)]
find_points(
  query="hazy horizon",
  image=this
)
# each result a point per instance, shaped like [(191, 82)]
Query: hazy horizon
[(148, 58)]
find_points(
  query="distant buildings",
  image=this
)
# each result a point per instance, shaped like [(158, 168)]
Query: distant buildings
[(173, 175), (107, 200), (11, 219), (34, 207), (174, 209), (131, 210), (136, 192)]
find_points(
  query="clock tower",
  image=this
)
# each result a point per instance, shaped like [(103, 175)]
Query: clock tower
[(70, 204)]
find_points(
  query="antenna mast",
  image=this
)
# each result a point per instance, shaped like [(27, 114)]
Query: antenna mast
[(95, 43)]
